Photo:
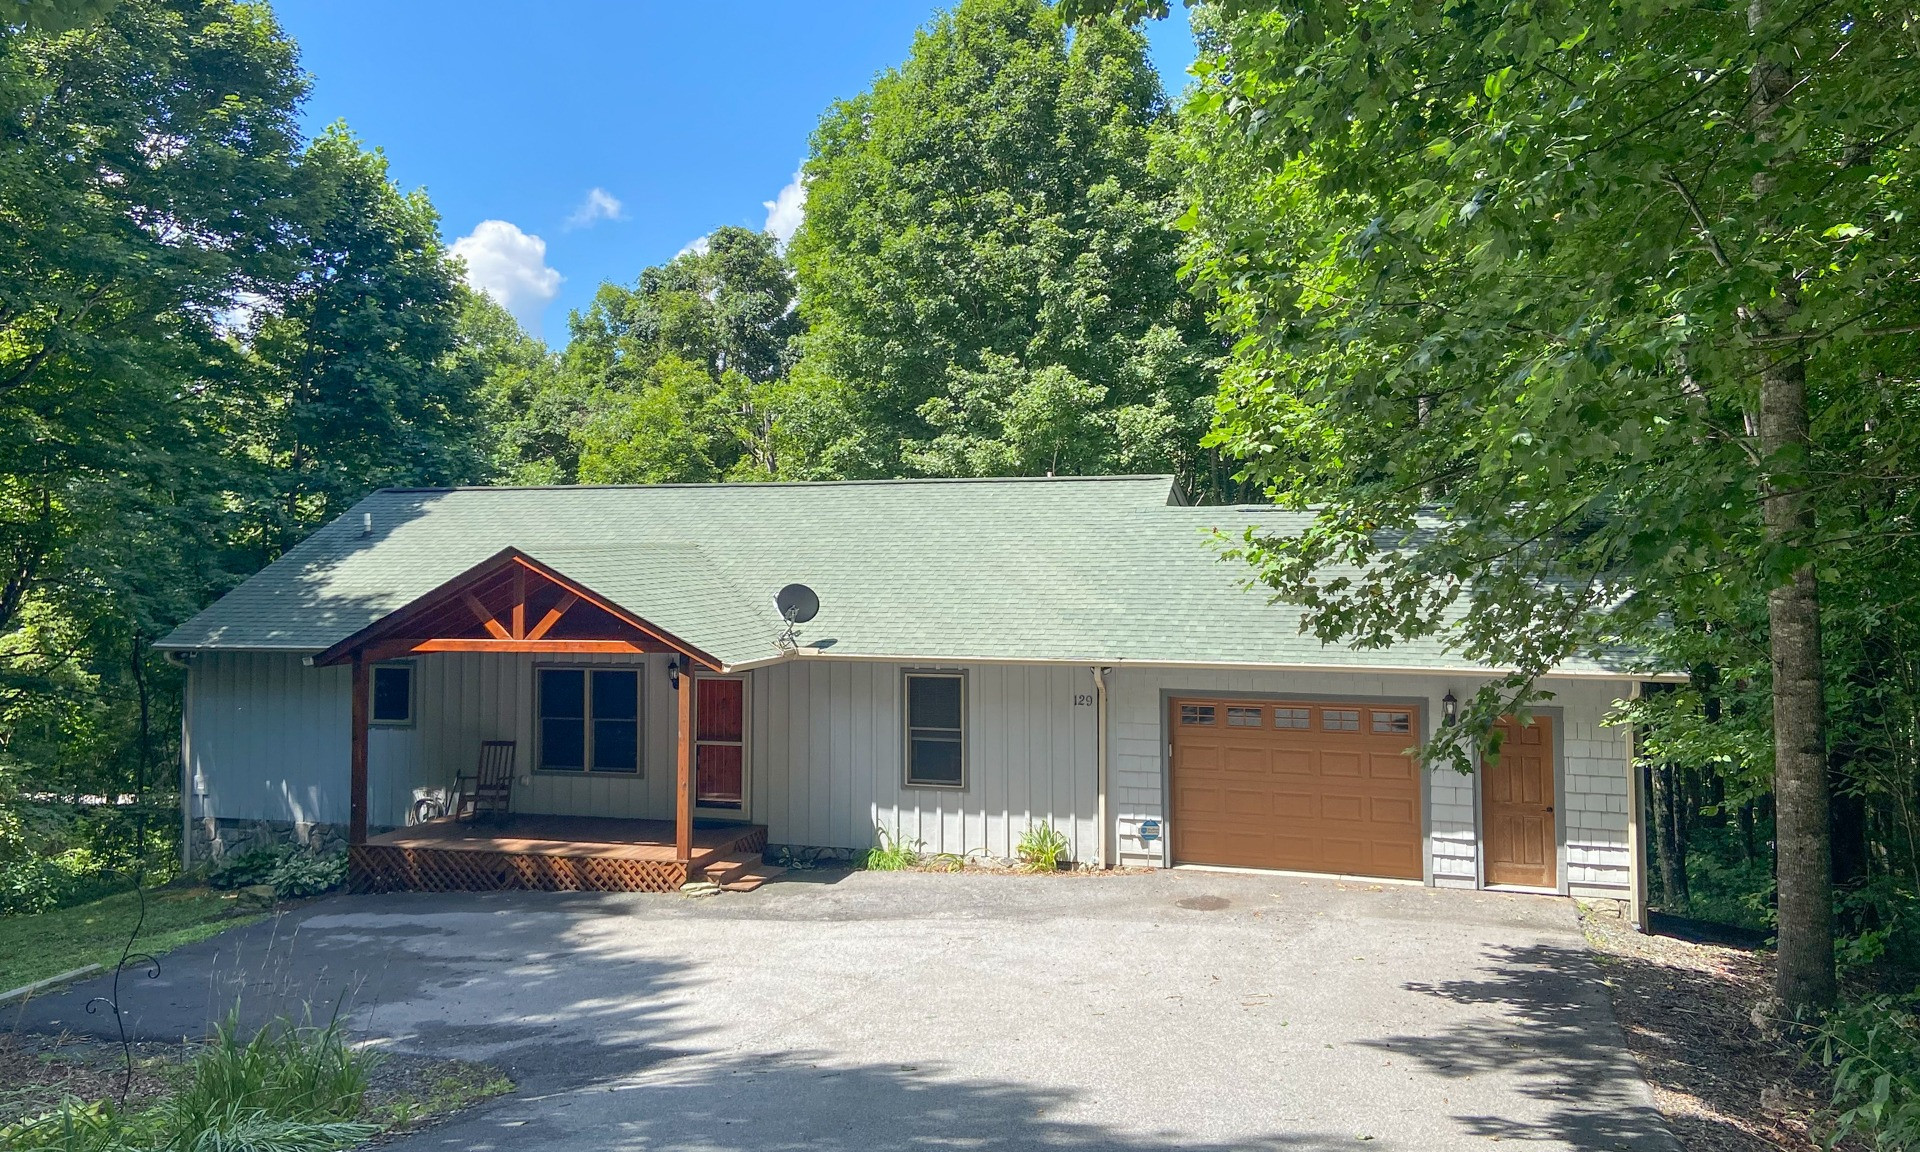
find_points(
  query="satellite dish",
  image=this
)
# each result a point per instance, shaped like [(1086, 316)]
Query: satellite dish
[(797, 603)]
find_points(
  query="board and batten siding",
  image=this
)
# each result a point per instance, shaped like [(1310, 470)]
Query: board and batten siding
[(269, 738), (827, 742), (1594, 855)]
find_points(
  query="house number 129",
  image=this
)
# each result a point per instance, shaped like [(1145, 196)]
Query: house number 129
[(1082, 699)]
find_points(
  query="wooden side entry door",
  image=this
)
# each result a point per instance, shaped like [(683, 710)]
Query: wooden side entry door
[(1517, 806), (720, 743)]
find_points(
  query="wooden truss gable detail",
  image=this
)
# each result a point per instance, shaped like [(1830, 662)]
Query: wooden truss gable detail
[(510, 603)]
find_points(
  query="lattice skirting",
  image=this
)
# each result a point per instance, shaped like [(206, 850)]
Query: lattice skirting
[(380, 868)]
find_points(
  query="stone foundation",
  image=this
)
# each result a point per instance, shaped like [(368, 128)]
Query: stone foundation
[(215, 839)]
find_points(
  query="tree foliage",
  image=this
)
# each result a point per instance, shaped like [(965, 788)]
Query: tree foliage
[(681, 377), (1539, 272), (212, 334), (987, 264)]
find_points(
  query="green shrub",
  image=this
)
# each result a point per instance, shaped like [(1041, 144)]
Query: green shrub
[(893, 854), (74, 1126), (293, 871), (247, 868), (40, 883), (1042, 848), (1871, 1049), (305, 874)]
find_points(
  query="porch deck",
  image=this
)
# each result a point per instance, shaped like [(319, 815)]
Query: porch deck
[(547, 853)]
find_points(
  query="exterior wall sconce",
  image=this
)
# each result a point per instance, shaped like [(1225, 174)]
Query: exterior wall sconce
[(1449, 708), (673, 673)]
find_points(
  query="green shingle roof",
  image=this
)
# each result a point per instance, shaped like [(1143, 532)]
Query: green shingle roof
[(1095, 570)]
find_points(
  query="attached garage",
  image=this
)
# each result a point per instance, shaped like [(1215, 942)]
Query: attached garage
[(1311, 786)]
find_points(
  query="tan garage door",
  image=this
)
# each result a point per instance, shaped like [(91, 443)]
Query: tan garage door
[(1316, 787)]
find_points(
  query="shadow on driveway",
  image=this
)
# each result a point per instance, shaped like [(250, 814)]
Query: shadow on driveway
[(978, 1012)]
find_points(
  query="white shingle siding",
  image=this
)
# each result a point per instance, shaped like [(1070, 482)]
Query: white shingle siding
[(1593, 769)]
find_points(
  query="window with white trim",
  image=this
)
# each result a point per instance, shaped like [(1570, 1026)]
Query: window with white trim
[(936, 707)]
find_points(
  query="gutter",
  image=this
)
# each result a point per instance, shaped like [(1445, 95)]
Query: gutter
[(805, 653), (186, 769), (1100, 759)]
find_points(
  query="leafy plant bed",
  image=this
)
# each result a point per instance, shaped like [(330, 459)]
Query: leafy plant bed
[(1685, 1008), (403, 1093)]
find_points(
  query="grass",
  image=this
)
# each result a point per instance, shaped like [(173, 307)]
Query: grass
[(49, 943)]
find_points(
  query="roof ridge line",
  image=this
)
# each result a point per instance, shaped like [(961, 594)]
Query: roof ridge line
[(727, 484)]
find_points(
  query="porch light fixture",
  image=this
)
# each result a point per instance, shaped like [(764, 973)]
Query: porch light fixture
[(1449, 708), (673, 672)]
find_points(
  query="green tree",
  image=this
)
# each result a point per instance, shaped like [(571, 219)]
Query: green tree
[(1624, 295), (681, 377), (358, 350), (145, 170), (986, 238)]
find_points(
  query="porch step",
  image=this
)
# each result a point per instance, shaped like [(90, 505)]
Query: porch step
[(741, 871), (727, 867), (752, 878)]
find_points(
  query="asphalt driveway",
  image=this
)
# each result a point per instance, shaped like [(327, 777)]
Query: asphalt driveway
[(880, 1011)]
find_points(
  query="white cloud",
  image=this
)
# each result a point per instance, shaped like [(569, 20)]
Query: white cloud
[(510, 266), (600, 204), (785, 211), (696, 247), (242, 315)]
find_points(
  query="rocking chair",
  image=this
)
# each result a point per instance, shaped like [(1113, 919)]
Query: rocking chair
[(489, 789)]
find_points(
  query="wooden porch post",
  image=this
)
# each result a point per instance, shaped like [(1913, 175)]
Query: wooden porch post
[(683, 799), (357, 784)]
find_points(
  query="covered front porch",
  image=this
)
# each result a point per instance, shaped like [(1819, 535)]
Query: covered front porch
[(544, 625)]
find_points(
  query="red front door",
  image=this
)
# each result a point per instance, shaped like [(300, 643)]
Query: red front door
[(720, 733)]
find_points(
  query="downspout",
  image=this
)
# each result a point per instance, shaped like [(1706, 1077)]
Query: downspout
[(1636, 827), (186, 760), (1100, 764)]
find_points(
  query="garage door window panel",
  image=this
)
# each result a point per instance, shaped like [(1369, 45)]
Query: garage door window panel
[(1340, 719)]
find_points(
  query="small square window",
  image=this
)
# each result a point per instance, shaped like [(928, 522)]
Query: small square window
[(1290, 718), (392, 694), (1340, 719), (1196, 713), (1243, 717), (1392, 723)]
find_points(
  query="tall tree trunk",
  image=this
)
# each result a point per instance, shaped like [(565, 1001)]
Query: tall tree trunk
[(1668, 845), (1804, 866), (144, 751)]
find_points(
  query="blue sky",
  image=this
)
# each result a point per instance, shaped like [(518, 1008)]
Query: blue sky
[(566, 143)]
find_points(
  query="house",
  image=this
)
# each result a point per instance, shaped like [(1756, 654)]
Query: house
[(988, 656)]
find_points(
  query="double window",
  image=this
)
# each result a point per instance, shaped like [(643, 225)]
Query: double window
[(589, 720), (936, 730)]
